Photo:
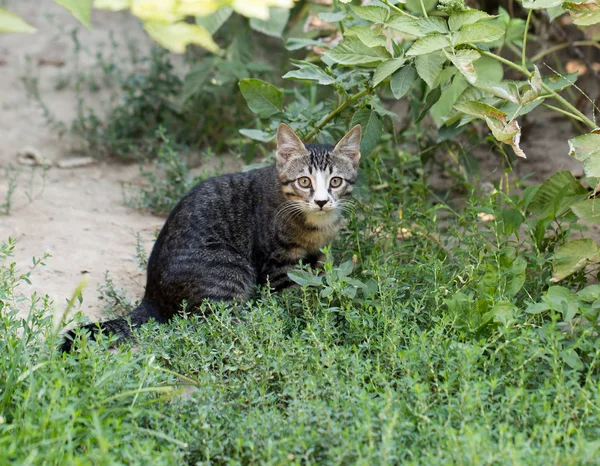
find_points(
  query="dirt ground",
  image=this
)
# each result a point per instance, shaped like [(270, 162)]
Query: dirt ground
[(80, 218)]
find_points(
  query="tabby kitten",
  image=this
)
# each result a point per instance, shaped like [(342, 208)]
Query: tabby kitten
[(232, 232)]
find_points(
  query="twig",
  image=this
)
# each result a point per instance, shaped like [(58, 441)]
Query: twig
[(395, 8), (423, 8), (556, 48), (564, 112), (524, 51), (326, 119), (565, 104)]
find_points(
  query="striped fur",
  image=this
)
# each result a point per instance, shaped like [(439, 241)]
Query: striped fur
[(233, 232)]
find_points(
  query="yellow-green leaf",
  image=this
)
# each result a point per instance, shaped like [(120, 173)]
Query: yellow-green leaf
[(467, 17), (256, 8), (369, 37), (428, 44), (262, 98), (573, 256), (587, 210), (9, 22), (429, 67), (476, 33), (387, 68), (114, 5), (177, 36), (80, 9), (375, 14), (351, 51)]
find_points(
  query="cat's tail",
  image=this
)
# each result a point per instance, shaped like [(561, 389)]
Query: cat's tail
[(121, 326)]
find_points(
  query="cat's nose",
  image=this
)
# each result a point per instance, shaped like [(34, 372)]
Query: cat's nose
[(321, 203)]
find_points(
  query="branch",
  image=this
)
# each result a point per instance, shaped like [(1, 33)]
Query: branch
[(565, 104), (326, 119)]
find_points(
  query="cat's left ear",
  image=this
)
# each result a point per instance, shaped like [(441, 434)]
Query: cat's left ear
[(288, 144), (349, 145)]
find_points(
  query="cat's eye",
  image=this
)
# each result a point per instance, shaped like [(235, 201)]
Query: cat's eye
[(304, 182), (335, 182)]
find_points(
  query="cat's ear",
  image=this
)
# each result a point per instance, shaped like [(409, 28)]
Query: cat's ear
[(349, 145), (288, 144)]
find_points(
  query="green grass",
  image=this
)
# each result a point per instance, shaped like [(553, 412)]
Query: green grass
[(414, 350)]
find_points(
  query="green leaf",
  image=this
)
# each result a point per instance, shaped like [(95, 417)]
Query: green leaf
[(262, 98), (433, 24), (386, 69), (332, 17), (258, 135), (572, 359), (505, 90), (573, 256), (80, 9), (463, 61), (375, 14), (194, 81), (345, 269), (430, 100), (537, 308), (587, 210), (297, 43), (428, 44), (429, 67), (557, 83), (555, 12), (540, 4), (476, 33), (503, 312), (590, 293), (372, 129), (311, 72), (583, 13), (479, 109), (467, 17), (586, 148), (303, 278), (402, 81), (9, 22), (404, 24), (212, 23), (274, 26), (556, 194), (368, 36), (351, 51)]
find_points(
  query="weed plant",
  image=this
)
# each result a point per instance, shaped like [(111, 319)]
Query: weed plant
[(429, 337)]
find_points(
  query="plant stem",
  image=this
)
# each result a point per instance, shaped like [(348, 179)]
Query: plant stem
[(565, 104), (395, 8), (336, 111), (506, 62), (423, 8), (564, 112), (524, 51), (577, 43)]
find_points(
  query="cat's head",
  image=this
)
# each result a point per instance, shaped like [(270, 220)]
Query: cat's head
[(317, 177)]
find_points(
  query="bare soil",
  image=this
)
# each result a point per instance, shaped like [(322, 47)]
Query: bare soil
[(80, 218)]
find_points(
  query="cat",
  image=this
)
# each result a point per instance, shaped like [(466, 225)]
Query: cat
[(233, 232)]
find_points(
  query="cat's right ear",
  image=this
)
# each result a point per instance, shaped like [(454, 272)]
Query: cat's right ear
[(288, 144)]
